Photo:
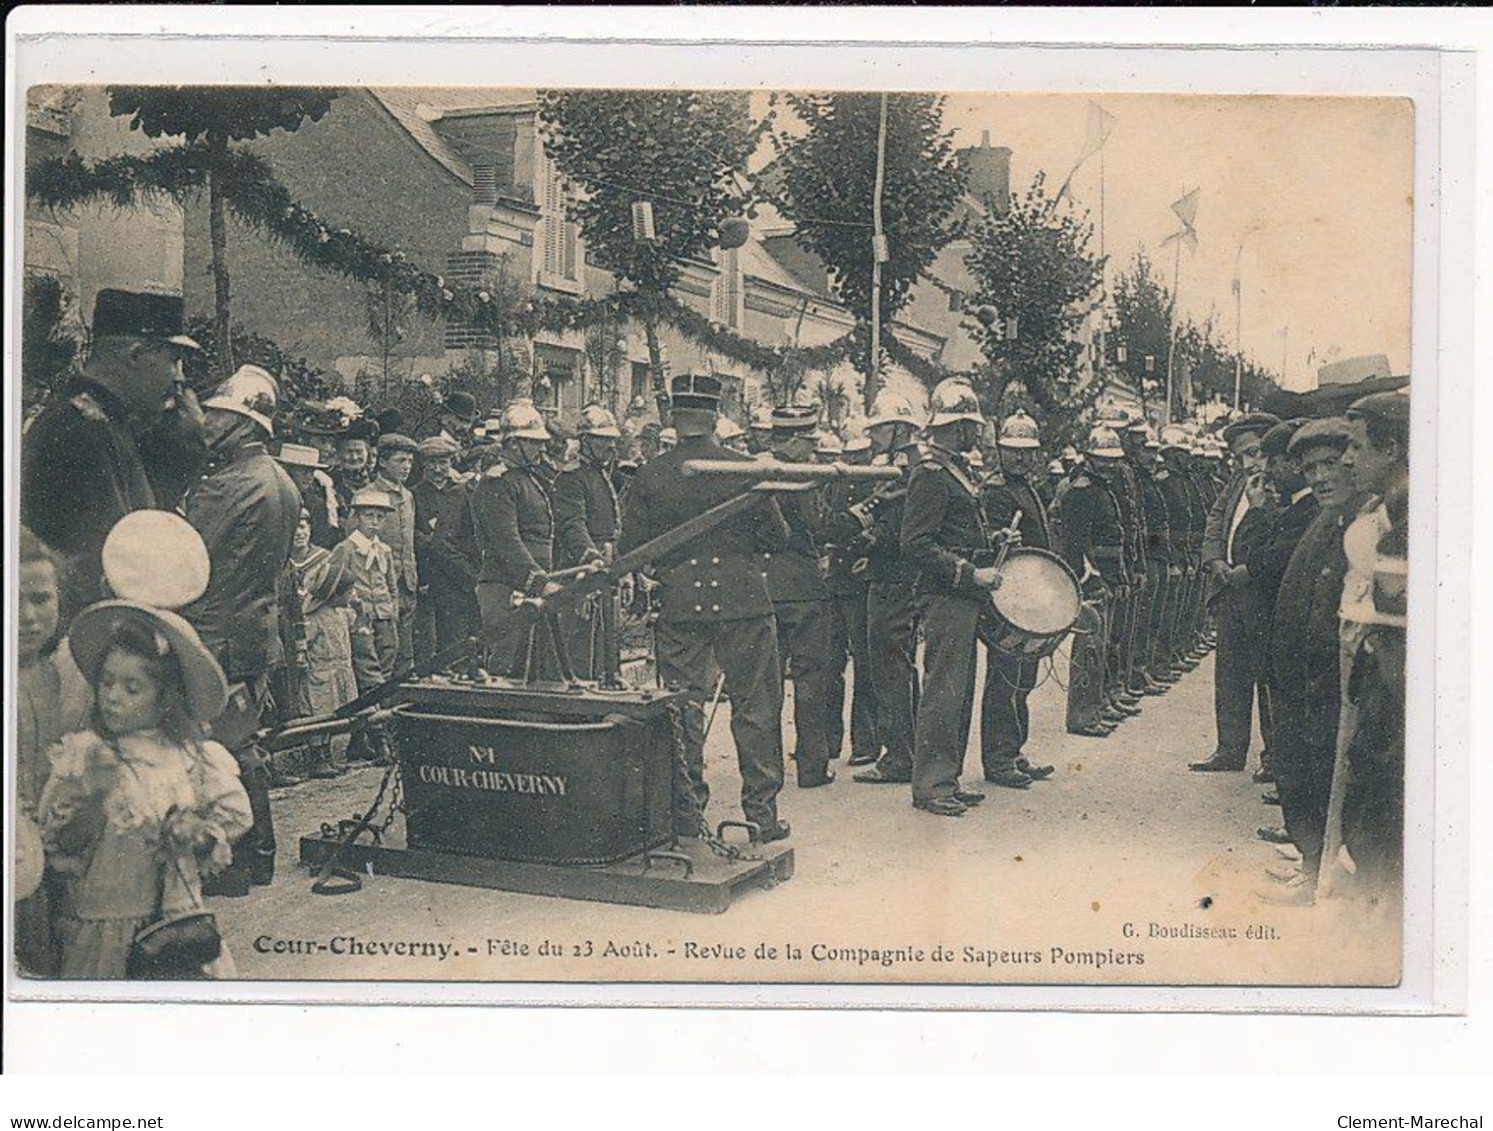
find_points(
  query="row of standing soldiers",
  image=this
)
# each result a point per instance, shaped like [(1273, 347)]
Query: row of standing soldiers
[(1130, 524)]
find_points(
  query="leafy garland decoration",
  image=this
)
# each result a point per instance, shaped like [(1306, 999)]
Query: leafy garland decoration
[(263, 203)]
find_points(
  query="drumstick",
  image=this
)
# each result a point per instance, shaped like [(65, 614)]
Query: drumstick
[(1014, 528)]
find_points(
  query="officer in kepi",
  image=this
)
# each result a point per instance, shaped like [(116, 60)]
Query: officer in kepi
[(714, 605), (944, 536), (81, 469)]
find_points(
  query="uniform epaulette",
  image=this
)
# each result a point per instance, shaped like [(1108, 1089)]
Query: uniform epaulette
[(89, 409), (994, 479), (1080, 481), (496, 471)]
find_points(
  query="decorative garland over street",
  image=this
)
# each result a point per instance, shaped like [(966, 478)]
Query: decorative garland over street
[(263, 203)]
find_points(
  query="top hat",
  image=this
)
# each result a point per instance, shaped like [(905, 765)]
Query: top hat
[(141, 314)]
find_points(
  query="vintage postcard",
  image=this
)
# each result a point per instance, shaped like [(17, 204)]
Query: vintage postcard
[(597, 534)]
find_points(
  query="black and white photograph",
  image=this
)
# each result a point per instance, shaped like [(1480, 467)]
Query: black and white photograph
[(794, 535)]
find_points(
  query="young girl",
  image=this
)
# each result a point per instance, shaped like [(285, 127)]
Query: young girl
[(324, 583), (52, 699), (138, 806)]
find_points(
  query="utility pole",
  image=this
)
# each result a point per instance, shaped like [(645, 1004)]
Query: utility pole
[(878, 257), (1171, 341)]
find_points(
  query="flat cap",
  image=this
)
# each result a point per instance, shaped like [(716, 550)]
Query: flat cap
[(1276, 442), (1392, 409), (397, 442), (1257, 422), (437, 447), (1329, 431)]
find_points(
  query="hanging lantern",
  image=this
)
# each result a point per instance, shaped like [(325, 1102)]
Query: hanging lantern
[(642, 222), (1150, 363), (1010, 328), (734, 233), (1122, 354)]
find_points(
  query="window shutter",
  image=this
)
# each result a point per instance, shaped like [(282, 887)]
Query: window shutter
[(553, 208)]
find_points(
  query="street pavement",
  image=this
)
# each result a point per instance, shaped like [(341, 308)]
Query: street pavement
[(1123, 868)]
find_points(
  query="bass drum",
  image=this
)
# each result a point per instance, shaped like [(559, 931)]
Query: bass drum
[(1036, 605)]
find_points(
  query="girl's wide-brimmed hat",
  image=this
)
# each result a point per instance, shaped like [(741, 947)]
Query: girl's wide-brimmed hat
[(97, 627)]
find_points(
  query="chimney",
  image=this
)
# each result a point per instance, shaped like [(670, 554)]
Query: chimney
[(989, 169)]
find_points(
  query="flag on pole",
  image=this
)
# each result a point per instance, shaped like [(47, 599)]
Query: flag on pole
[(1096, 133), (1187, 208), (1187, 211)]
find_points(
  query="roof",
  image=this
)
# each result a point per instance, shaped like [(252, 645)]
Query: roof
[(419, 108)]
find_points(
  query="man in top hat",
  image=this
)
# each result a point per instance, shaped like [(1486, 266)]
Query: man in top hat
[(447, 610), (514, 528), (1303, 670), (246, 508), (1233, 600), (848, 587), (1366, 810), (891, 600), (586, 517), (1087, 518), (81, 466), (1010, 497), (396, 461), (945, 537), (714, 609)]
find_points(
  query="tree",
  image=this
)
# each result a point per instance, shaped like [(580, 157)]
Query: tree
[(828, 178), (389, 312), (212, 117), (682, 152), (1037, 284), (1142, 322)]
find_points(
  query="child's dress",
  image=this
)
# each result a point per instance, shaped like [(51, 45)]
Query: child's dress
[(103, 814), (326, 583)]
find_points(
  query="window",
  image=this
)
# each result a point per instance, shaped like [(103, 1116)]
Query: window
[(726, 293), (560, 264), (641, 385)]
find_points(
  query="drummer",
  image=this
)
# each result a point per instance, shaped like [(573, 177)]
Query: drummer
[(1009, 499), (944, 538)]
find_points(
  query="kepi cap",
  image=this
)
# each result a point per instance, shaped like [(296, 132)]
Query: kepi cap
[(141, 314)]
